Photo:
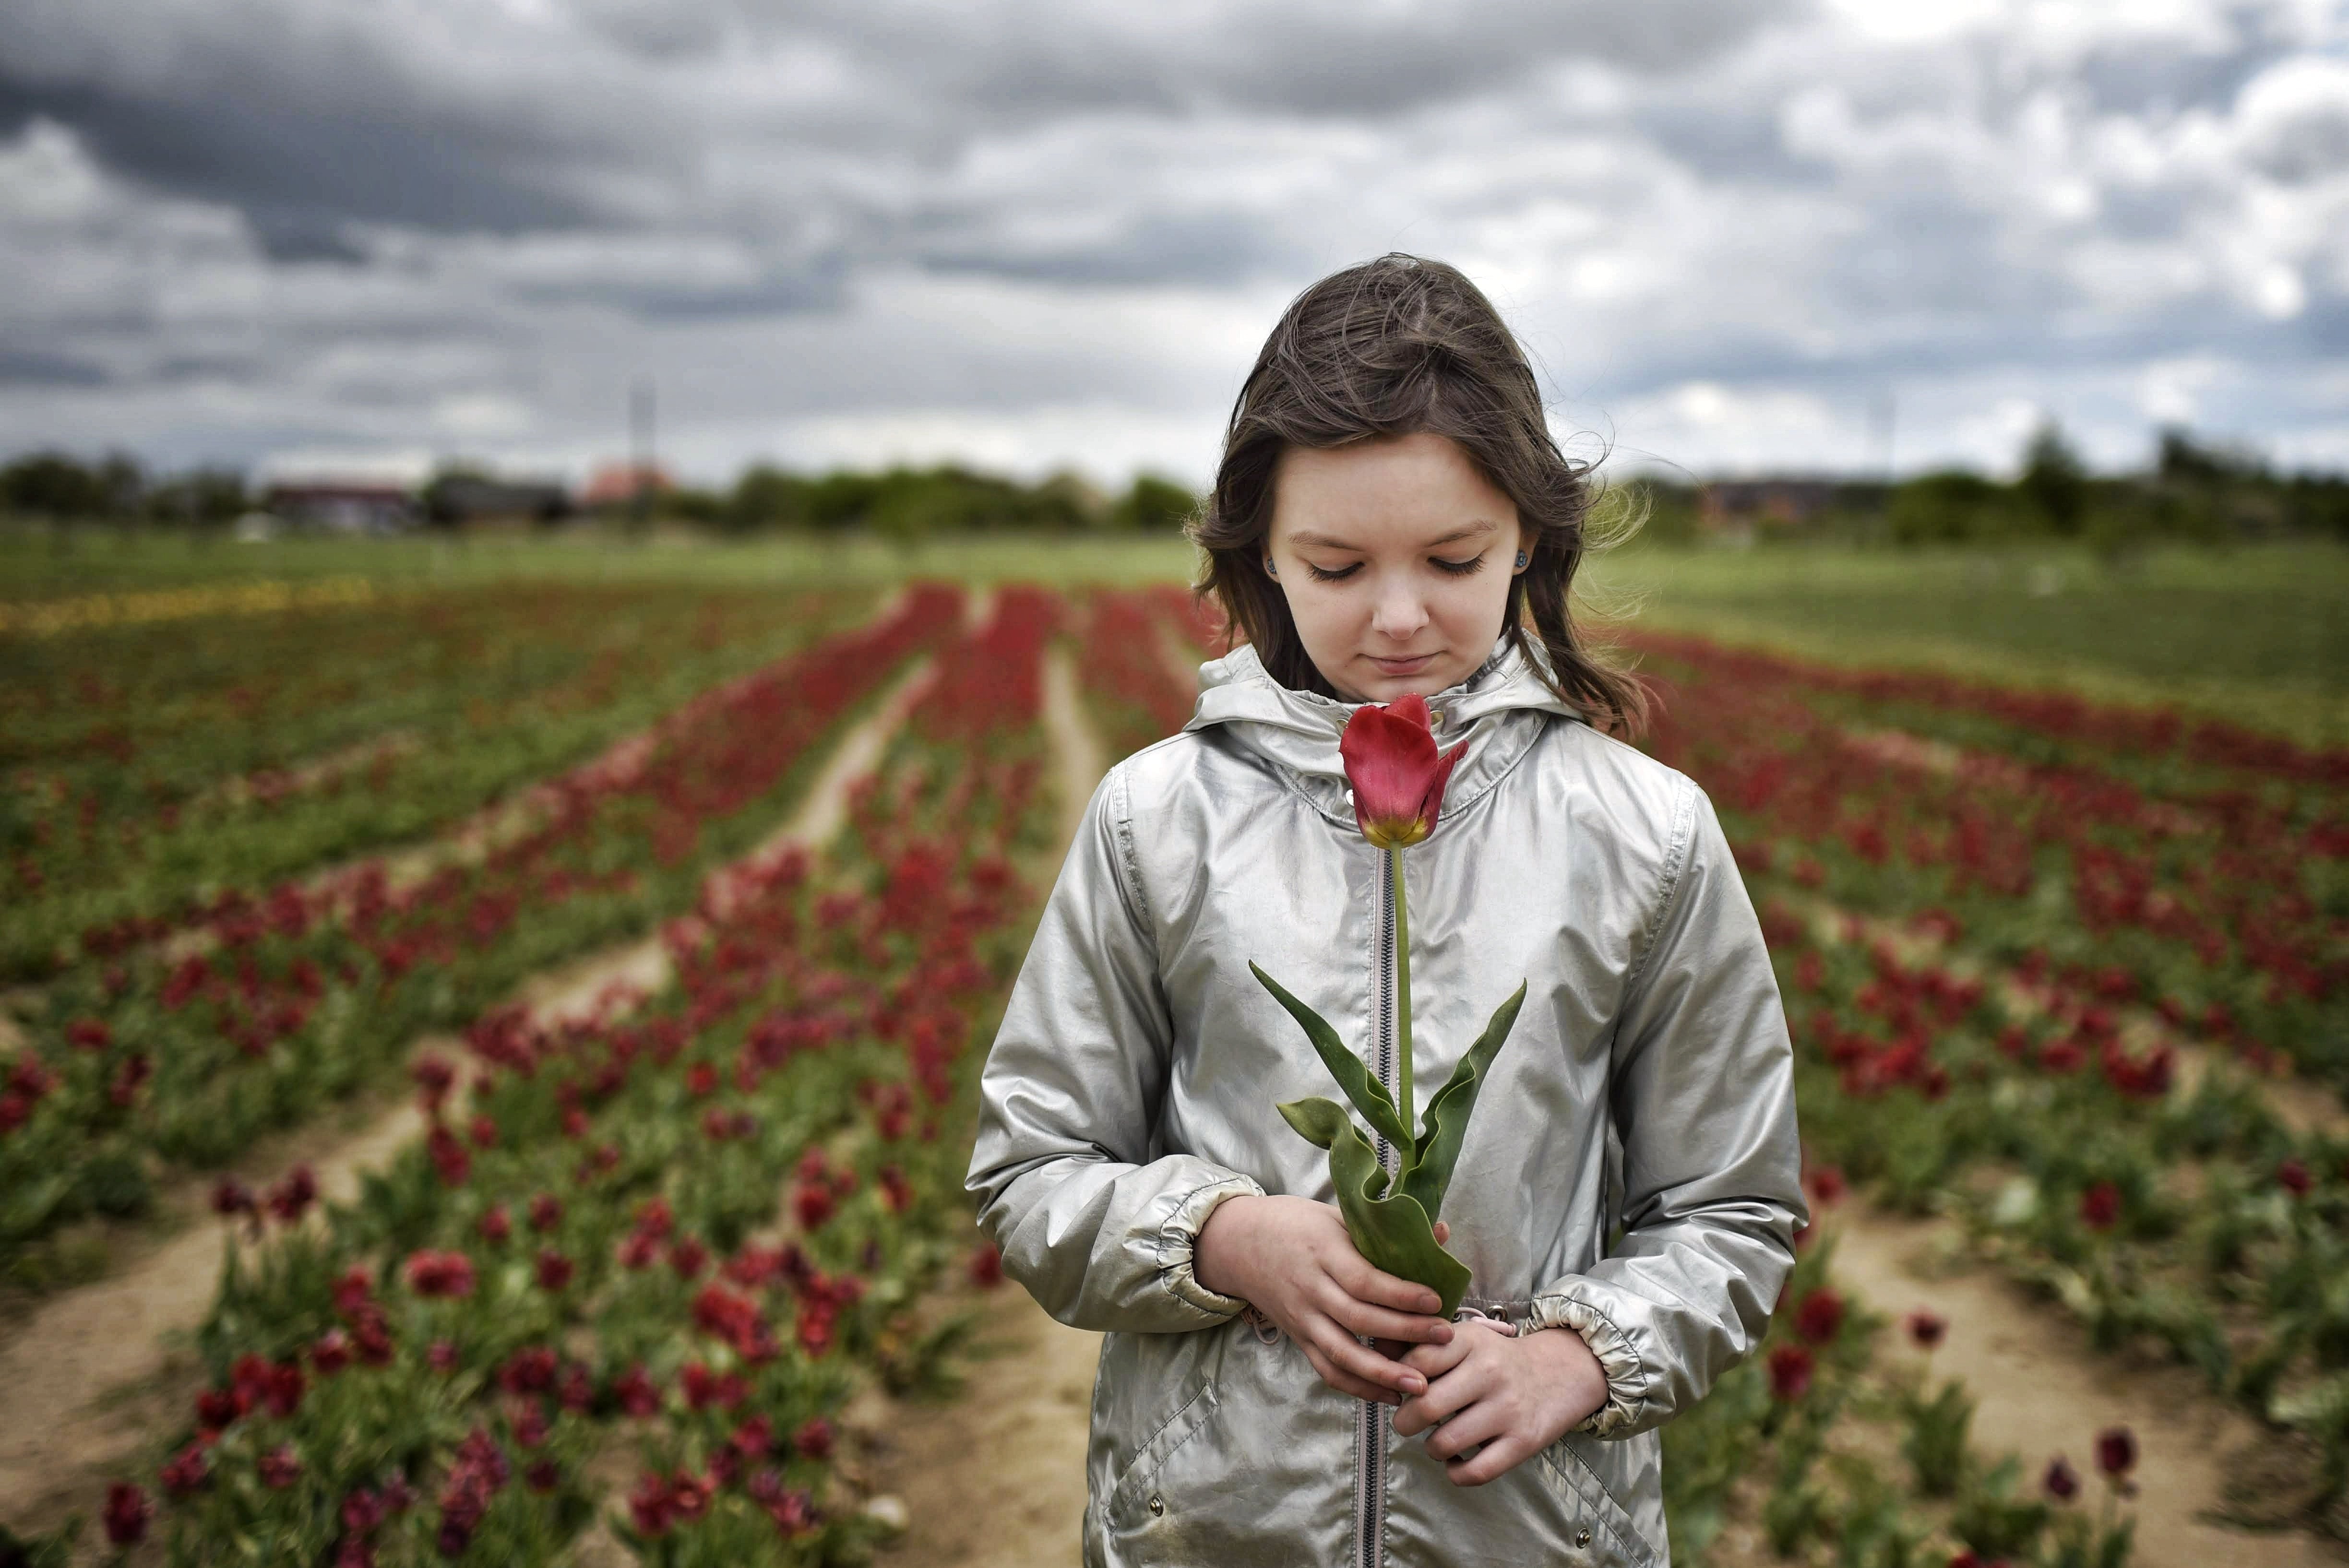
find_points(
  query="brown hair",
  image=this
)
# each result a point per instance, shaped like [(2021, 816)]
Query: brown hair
[(1397, 346)]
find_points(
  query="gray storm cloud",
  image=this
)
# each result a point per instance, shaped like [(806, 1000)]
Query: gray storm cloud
[(1051, 235)]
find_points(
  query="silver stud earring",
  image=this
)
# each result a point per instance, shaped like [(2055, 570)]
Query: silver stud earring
[(1521, 560), (1270, 569)]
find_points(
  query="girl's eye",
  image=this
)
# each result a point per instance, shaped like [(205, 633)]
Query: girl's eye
[(1328, 574), (1457, 568)]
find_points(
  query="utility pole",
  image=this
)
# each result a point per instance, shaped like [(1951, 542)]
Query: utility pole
[(641, 457), (1881, 415)]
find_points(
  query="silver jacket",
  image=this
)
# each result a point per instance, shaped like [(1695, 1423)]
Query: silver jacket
[(1648, 1085)]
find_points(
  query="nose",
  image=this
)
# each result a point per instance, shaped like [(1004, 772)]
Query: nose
[(1399, 614)]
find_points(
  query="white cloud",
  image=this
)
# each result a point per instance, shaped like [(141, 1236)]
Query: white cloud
[(1054, 234)]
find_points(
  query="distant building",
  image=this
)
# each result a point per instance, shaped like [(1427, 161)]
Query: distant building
[(619, 484), (344, 506), (462, 501), (1739, 509)]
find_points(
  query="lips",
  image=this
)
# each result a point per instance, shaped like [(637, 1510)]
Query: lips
[(1411, 666)]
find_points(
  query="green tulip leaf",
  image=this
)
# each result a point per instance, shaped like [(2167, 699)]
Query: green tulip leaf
[(1445, 1125), (1369, 1095), (1393, 1234), (1318, 1122)]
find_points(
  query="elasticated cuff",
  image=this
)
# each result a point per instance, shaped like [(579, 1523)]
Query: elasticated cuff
[(1179, 1240), (1626, 1379)]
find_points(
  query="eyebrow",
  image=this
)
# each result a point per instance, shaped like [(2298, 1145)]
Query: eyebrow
[(1476, 529)]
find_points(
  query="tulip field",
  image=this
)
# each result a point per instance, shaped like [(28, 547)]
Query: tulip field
[(2071, 975)]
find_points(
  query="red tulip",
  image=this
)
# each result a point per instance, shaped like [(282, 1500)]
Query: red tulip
[(553, 1270), (1397, 774), (2115, 1450), (2100, 1206), (279, 1467), (330, 1351), (2062, 1481), (188, 1470), (440, 1274), (1818, 1317), (1927, 1328), (127, 1511), (1790, 1372)]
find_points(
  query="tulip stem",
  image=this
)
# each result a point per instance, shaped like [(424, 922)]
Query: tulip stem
[(1403, 998)]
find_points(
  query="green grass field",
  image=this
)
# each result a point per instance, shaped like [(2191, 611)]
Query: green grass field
[(2258, 633)]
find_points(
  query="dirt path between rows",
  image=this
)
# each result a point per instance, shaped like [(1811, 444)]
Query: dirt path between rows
[(995, 1479), (2043, 1390), (89, 1378)]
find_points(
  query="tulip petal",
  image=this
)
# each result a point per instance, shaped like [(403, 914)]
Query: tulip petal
[(1430, 805), (1396, 774)]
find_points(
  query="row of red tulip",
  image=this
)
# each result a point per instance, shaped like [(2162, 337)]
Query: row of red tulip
[(278, 1001), (145, 767), (2063, 719), (694, 1224), (2216, 907)]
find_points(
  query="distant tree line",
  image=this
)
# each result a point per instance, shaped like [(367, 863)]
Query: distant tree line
[(115, 489), (903, 504), (2194, 491), (906, 503)]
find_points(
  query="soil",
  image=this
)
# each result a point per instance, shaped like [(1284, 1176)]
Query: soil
[(995, 1477)]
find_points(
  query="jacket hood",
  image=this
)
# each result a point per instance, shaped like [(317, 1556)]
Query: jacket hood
[(1500, 710)]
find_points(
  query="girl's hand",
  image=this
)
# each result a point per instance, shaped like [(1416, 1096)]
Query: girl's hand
[(1291, 1260), (1515, 1397)]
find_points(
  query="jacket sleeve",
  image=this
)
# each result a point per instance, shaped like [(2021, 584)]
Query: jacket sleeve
[(1099, 1233), (1702, 1082)]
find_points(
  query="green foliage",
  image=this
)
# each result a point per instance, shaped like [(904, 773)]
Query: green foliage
[(1952, 507), (1990, 1519), (1394, 1231), (1154, 505), (2054, 483), (1935, 1443), (54, 485)]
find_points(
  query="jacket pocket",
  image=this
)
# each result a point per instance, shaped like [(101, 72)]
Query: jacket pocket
[(1129, 1499), (1615, 1538)]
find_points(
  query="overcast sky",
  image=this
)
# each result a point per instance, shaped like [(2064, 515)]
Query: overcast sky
[(1037, 233)]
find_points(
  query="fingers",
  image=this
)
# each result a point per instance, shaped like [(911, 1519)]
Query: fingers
[(1349, 1356), (1378, 1288), (1435, 1360), (1478, 1421), (1491, 1462), (1448, 1395), (1443, 1231), (1378, 1323), (1353, 1387)]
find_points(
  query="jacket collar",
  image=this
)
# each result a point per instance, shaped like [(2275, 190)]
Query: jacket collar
[(1500, 710)]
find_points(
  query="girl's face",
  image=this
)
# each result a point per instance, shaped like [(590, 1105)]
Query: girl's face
[(1395, 556)]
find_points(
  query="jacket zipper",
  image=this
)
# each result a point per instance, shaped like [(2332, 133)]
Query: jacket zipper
[(1370, 1418)]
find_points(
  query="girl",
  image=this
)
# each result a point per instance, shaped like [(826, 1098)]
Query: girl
[(1392, 519)]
